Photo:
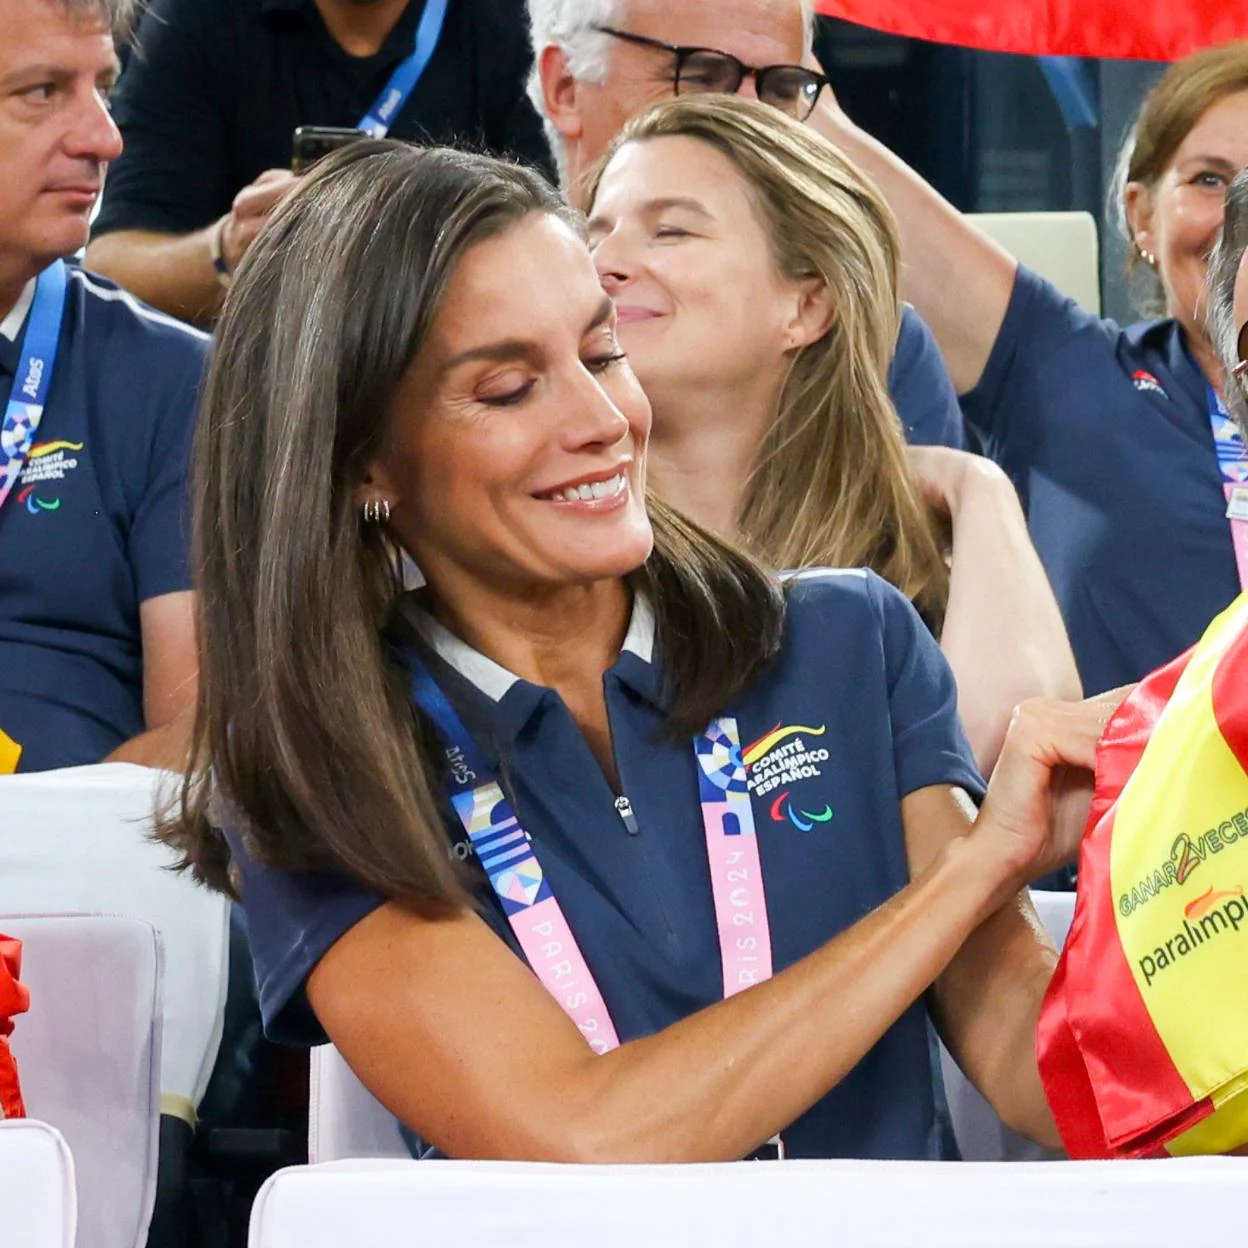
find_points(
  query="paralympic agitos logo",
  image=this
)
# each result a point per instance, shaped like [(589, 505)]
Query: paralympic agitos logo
[(778, 760)]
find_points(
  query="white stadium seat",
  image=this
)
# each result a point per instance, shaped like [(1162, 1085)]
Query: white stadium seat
[(88, 1054), (1060, 246), (851, 1204), (79, 840), (37, 1204), (344, 1118)]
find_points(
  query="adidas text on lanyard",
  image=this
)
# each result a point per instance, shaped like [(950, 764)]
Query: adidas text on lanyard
[(377, 121), (29, 396), (1233, 469), (506, 853)]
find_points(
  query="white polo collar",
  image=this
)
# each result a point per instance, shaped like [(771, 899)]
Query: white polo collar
[(492, 678), (12, 324)]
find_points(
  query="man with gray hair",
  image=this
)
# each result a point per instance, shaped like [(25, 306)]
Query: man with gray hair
[(97, 399), (596, 63)]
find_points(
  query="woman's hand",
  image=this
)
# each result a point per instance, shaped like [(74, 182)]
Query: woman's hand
[(948, 477), (1037, 805)]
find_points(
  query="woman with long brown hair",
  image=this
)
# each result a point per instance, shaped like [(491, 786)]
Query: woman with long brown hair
[(597, 740), (755, 273)]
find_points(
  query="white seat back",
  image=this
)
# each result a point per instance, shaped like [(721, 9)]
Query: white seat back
[(1060, 246), (37, 1204), (78, 840), (88, 1054), (981, 1135), (851, 1204), (344, 1118)]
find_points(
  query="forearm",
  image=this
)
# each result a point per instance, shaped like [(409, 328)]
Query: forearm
[(721, 1082), (1003, 633), (172, 272), (166, 747), (959, 280)]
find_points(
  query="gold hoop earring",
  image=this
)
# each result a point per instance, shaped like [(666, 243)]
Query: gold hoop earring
[(376, 511)]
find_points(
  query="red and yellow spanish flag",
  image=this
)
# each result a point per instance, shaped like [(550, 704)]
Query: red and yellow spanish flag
[(1143, 1036), (1156, 30)]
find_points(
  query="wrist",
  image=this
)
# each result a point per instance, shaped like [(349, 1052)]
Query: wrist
[(217, 254), (988, 867)]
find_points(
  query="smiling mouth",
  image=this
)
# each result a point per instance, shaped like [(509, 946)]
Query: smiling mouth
[(630, 316), (589, 492)]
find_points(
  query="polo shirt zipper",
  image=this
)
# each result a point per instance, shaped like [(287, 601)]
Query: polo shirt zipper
[(625, 809)]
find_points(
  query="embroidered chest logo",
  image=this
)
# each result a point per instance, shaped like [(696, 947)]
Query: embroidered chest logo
[(779, 760), (1146, 383), (47, 465)]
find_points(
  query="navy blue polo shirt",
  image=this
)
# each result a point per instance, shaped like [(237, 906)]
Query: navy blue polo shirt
[(921, 389), (96, 523), (1105, 432), (859, 710)]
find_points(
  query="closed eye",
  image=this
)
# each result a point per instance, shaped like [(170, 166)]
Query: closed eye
[(601, 363)]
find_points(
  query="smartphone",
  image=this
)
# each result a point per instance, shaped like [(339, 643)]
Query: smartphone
[(313, 142)]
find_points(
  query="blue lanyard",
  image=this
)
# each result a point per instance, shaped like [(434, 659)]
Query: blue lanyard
[(1227, 441), (40, 342), (395, 94)]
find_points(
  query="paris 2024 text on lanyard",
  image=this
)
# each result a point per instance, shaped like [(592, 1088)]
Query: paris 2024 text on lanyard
[(506, 853)]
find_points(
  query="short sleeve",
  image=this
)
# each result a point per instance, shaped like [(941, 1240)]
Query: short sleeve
[(293, 920), (173, 175), (1039, 320), (921, 388), (929, 744), (160, 531)]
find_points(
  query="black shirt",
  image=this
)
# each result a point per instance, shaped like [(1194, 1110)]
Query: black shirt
[(215, 88)]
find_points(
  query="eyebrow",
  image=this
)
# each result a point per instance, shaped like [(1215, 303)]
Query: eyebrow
[(522, 348), (662, 204), (29, 75), (1219, 162)]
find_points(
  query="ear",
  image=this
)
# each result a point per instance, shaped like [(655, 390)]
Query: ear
[(1138, 206), (813, 314), (559, 91)]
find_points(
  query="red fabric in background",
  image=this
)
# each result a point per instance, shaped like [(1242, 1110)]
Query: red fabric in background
[(14, 999), (1157, 30)]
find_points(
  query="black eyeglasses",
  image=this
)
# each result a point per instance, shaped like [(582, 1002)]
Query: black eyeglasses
[(793, 89)]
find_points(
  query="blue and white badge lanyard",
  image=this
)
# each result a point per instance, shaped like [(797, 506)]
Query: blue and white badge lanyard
[(40, 341), (506, 853), (1233, 469), (376, 122)]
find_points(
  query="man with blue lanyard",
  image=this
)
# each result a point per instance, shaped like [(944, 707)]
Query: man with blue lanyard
[(97, 394), (598, 63), (216, 88)]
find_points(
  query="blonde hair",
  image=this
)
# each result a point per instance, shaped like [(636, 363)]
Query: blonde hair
[(1183, 95), (830, 483)]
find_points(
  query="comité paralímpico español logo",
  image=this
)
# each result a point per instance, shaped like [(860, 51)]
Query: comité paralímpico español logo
[(47, 463), (780, 759)]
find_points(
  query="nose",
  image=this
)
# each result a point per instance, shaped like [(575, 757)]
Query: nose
[(749, 87), (593, 421), (612, 260), (93, 134)]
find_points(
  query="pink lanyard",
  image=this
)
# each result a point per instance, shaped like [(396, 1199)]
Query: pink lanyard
[(506, 853), (1233, 469)]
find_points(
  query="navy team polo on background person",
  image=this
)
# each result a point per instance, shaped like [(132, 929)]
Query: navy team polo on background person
[(857, 711), (919, 385), (1105, 432), (96, 523)]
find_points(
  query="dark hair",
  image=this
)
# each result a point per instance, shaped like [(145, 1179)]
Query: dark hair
[(304, 726), (1223, 270)]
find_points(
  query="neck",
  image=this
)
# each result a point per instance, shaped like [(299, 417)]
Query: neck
[(360, 26), (13, 279), (1207, 358), (701, 454), (564, 639)]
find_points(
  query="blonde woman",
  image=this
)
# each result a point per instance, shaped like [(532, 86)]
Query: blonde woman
[(755, 276)]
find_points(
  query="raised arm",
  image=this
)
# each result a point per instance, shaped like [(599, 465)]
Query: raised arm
[(450, 1030), (1003, 633), (955, 275)]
